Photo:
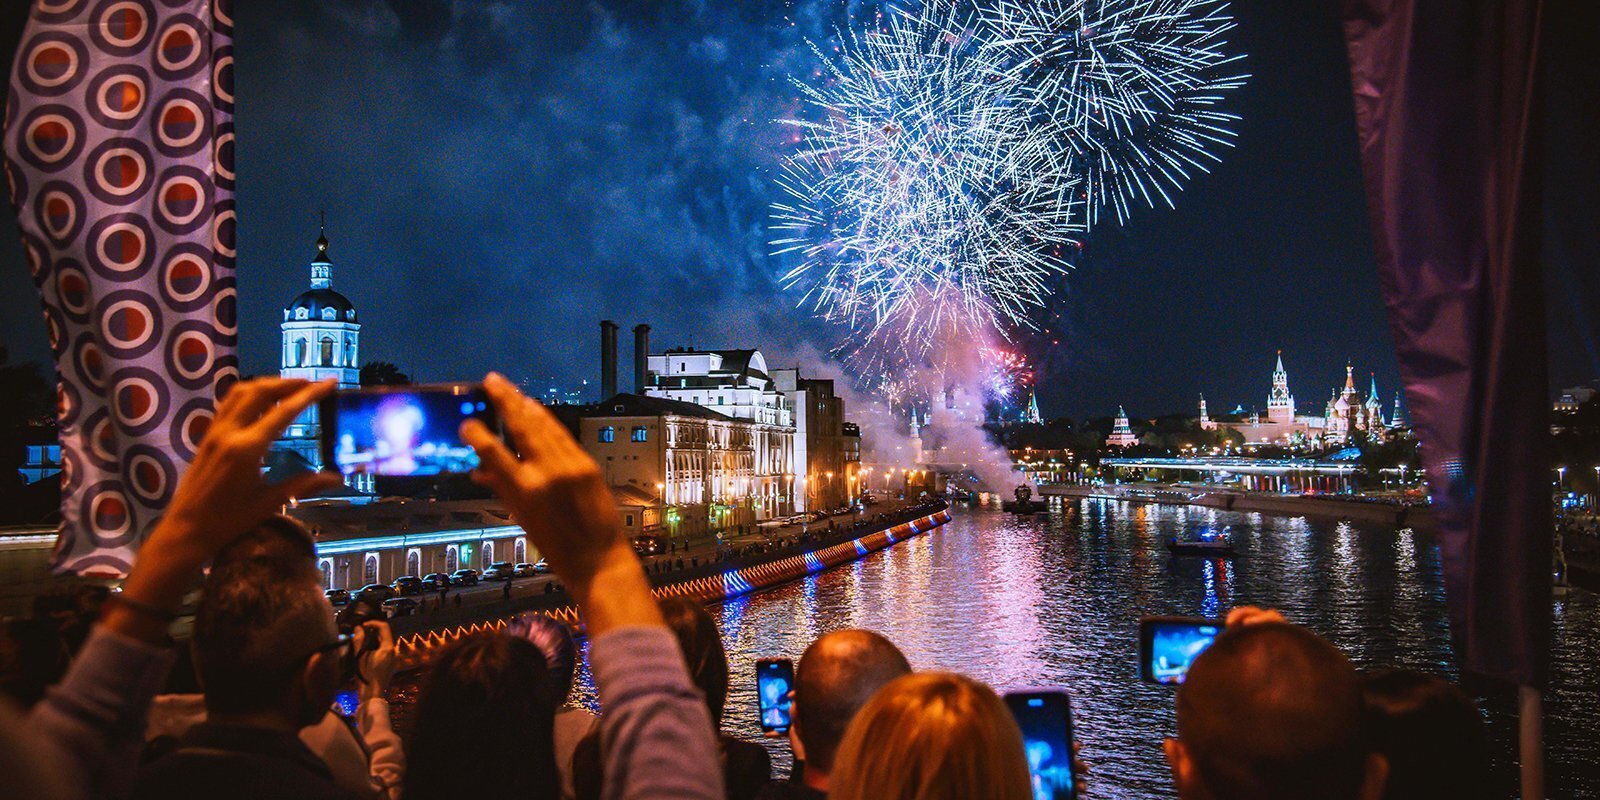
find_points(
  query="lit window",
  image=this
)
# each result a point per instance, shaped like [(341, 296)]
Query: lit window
[(641, 433), (608, 434)]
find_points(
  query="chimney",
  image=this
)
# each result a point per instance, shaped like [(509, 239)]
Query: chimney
[(608, 359), (641, 357)]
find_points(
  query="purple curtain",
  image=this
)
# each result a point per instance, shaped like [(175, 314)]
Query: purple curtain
[(1444, 95), (119, 159)]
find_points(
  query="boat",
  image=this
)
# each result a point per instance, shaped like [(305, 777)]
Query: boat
[(1211, 544), (1024, 504)]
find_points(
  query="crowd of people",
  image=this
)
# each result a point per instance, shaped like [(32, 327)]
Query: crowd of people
[(1270, 710)]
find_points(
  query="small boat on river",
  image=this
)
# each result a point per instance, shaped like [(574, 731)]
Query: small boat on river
[(1209, 544), (1024, 504)]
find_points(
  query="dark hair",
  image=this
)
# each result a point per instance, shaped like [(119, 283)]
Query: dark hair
[(555, 643), (701, 643), (254, 629), (1431, 732), (836, 676), (486, 700), (1272, 710)]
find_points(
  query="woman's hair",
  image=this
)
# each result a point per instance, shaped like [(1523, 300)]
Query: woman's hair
[(701, 643), (485, 702), (1430, 731), (932, 736)]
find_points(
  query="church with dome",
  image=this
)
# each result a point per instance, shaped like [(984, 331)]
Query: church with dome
[(1346, 413), (321, 339)]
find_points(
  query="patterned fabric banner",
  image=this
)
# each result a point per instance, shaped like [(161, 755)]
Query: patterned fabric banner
[(119, 157)]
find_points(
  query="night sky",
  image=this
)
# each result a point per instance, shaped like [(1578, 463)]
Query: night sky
[(499, 177)]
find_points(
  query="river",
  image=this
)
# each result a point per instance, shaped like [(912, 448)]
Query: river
[(1055, 601)]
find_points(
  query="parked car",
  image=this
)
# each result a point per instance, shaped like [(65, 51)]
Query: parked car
[(541, 567), (464, 577), (400, 607), (499, 571), (337, 597), (523, 570), (436, 581), (382, 591), (649, 545), (407, 585)]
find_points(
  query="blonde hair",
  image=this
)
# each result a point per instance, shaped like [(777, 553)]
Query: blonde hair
[(932, 736)]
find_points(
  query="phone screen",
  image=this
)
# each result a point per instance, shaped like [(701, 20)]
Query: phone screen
[(1171, 644), (774, 681), (402, 431), (348, 702), (1045, 718)]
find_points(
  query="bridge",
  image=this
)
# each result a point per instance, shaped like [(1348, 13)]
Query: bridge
[(1254, 474)]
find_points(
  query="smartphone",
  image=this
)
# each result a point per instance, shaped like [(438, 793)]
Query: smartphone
[(402, 431), (1168, 645), (1045, 717), (348, 702), (774, 682)]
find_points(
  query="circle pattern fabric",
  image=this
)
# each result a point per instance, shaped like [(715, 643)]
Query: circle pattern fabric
[(119, 159)]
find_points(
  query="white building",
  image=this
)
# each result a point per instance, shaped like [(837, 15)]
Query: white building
[(321, 340), (737, 384)]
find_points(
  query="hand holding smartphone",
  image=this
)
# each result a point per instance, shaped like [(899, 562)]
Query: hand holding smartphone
[(402, 431), (774, 682), (1169, 645), (1045, 717)]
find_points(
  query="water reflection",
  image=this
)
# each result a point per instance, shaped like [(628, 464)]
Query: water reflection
[(1055, 601)]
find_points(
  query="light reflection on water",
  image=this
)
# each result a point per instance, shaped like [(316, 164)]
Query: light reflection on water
[(1055, 601)]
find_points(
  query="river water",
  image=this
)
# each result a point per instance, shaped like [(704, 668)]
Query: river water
[(1055, 601)]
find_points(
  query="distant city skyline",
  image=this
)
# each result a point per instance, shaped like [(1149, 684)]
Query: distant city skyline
[(494, 184)]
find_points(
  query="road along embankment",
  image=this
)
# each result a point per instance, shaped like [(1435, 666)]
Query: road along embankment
[(708, 583)]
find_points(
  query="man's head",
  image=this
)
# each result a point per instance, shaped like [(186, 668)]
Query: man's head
[(836, 676), (1272, 710), (264, 636)]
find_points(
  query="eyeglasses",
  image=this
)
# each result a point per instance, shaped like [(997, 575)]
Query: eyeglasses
[(343, 640)]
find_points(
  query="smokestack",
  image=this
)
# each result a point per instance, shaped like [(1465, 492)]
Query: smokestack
[(641, 357), (608, 359)]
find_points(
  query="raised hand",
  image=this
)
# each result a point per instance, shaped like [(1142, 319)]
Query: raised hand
[(219, 498), (558, 495), (223, 495)]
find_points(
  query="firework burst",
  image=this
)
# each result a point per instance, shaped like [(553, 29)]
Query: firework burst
[(922, 213), (1127, 90), (948, 163)]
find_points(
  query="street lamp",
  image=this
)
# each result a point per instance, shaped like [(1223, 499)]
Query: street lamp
[(1561, 478)]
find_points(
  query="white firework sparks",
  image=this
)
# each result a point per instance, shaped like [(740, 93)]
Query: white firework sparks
[(1127, 89), (919, 204), (948, 163)]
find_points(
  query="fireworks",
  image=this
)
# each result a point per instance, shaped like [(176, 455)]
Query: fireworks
[(1127, 89), (948, 163), (922, 215), (1005, 373)]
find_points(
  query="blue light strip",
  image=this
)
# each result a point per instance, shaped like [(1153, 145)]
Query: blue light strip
[(815, 564), (733, 584), (458, 536)]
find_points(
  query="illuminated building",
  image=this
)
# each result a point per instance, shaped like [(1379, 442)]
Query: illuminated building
[(1121, 431), (738, 385), (827, 477), (1345, 413), (321, 340)]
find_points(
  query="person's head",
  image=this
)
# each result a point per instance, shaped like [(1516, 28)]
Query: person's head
[(836, 676), (265, 644), (932, 736), (1271, 710), (555, 643), (1431, 733), (486, 700), (701, 643)]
